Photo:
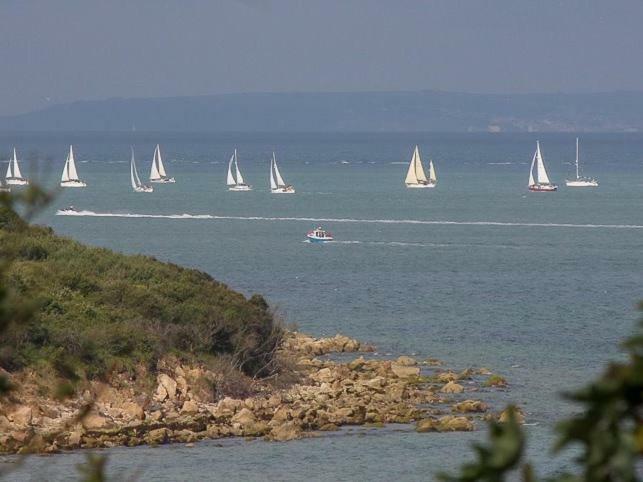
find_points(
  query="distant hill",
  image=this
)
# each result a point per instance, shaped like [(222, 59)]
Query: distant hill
[(360, 111)]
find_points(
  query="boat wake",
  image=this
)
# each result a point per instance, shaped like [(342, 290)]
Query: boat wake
[(348, 220)]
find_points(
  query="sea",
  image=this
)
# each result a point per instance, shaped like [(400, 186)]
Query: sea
[(478, 272)]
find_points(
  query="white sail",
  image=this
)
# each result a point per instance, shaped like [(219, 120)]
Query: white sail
[(154, 172), (273, 183), (231, 181), (415, 174), (136, 181), (280, 180), (65, 175), (432, 176), (159, 161), (71, 165), (236, 168), (16, 167), (10, 166), (541, 172), (532, 181)]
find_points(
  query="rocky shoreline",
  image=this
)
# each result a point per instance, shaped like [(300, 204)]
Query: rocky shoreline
[(323, 395)]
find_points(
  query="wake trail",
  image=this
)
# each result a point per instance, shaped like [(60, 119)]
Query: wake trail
[(347, 220)]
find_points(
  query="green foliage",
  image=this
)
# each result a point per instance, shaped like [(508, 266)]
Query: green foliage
[(88, 311), (609, 429)]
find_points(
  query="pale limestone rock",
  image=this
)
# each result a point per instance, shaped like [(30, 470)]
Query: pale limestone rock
[(22, 416), (190, 406), (452, 387), (133, 410), (286, 431), (405, 371), (470, 406), (169, 384), (406, 361), (94, 421), (160, 394)]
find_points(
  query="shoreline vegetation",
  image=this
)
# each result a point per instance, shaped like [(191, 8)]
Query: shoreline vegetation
[(100, 349)]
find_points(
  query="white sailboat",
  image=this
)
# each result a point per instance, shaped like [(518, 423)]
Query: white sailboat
[(70, 177), (235, 182), (580, 181), (538, 178), (137, 185), (14, 176), (158, 174), (277, 183), (415, 176)]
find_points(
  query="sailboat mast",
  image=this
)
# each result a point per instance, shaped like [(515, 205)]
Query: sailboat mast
[(577, 171)]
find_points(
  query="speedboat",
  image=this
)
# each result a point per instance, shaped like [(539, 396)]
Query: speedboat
[(318, 235), (68, 210)]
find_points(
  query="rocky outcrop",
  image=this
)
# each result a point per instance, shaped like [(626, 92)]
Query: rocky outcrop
[(327, 394)]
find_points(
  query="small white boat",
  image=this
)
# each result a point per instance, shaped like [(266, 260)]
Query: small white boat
[(137, 185), (70, 177), (415, 176), (538, 178), (158, 174), (580, 181), (235, 182), (277, 183), (14, 176), (319, 235), (68, 210)]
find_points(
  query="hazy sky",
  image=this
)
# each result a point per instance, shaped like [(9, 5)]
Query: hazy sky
[(55, 51)]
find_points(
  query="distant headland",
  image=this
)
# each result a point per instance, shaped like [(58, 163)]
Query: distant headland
[(423, 111)]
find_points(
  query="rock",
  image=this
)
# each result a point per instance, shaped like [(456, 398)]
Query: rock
[(4, 424), (281, 415), (402, 371), (425, 425), (406, 361), (470, 406), (255, 429), (244, 417), (74, 438), (449, 423), (182, 384), (22, 416), (133, 410), (452, 387), (446, 377), (286, 431), (357, 363), (160, 394), (190, 406), (325, 375), (93, 421), (169, 384), (157, 436)]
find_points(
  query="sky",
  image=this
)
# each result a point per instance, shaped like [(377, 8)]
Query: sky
[(66, 50)]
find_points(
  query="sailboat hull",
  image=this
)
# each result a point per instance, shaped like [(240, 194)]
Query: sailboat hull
[(420, 186), (73, 184), (283, 190), (581, 183), (543, 188), (16, 182), (164, 180), (144, 189), (240, 187)]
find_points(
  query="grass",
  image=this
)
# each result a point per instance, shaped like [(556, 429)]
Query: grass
[(96, 311)]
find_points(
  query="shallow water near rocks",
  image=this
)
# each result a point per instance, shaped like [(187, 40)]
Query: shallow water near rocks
[(543, 298)]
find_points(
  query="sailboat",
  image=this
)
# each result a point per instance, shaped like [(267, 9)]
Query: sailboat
[(540, 181), (415, 176), (70, 177), (580, 181), (137, 185), (14, 176), (236, 182), (158, 173), (277, 183)]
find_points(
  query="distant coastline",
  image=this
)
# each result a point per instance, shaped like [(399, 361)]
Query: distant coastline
[(423, 111)]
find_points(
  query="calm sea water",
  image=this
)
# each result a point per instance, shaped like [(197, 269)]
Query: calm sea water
[(542, 298)]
